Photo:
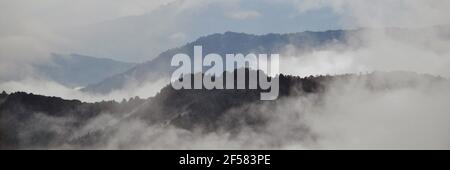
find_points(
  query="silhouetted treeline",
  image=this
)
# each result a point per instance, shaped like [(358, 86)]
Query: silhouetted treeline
[(29, 121)]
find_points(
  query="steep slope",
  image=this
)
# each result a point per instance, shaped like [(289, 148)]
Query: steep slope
[(211, 110), (30, 121), (227, 43), (77, 70), (143, 37), (3, 96), (34, 121)]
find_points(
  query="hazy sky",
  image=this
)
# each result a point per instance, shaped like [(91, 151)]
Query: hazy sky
[(138, 30), (351, 116)]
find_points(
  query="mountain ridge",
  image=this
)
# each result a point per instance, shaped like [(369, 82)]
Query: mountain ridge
[(75, 70), (191, 110), (225, 43)]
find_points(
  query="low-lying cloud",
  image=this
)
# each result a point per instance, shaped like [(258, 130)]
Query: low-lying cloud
[(397, 110), (50, 88), (349, 115)]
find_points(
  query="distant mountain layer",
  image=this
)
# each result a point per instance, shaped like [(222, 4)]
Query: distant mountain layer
[(227, 43), (31, 121), (140, 37), (79, 71)]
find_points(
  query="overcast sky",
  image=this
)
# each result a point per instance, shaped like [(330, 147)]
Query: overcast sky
[(138, 30)]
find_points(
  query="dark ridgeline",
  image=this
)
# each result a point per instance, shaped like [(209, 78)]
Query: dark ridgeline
[(222, 44), (19, 110), (3, 96), (209, 110), (206, 109)]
